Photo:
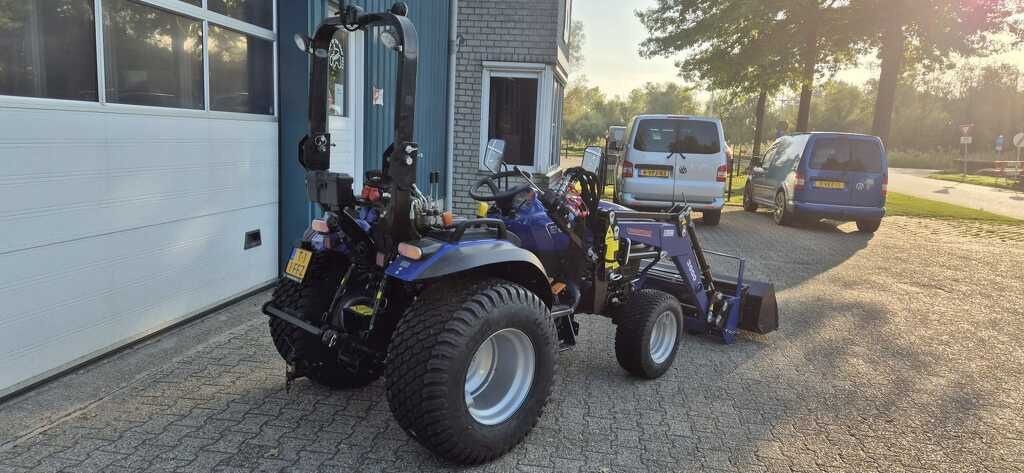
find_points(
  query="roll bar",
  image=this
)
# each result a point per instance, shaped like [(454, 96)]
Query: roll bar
[(400, 165)]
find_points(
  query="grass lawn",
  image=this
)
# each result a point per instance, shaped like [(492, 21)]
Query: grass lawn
[(908, 206), (897, 204), (987, 181)]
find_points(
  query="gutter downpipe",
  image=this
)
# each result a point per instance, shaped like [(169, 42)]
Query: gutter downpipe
[(453, 53)]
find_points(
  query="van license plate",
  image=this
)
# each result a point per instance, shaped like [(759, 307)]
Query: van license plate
[(837, 185), (653, 173), (298, 264)]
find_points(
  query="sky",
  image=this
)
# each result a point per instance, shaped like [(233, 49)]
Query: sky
[(614, 33)]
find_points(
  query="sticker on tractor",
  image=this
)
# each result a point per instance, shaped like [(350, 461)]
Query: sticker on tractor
[(668, 232)]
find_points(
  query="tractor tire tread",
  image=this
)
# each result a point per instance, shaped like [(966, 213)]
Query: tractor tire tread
[(633, 325), (428, 341)]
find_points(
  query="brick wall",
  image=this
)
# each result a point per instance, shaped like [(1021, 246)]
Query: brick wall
[(493, 30)]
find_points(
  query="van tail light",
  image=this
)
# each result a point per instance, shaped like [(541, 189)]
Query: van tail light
[(723, 173), (627, 169), (885, 186), (800, 182)]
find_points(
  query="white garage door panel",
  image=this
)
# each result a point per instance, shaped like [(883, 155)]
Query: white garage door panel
[(120, 225), (145, 170)]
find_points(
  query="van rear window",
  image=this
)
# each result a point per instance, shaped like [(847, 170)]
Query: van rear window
[(662, 135), (847, 155)]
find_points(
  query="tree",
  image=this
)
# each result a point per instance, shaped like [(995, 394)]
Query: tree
[(929, 32), (747, 47), (577, 39)]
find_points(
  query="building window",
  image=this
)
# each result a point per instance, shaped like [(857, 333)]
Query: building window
[(513, 117), (557, 101), (257, 12), (152, 56), (241, 72), (337, 79), (521, 104), (48, 49)]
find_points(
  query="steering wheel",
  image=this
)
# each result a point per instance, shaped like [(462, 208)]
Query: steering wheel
[(496, 195)]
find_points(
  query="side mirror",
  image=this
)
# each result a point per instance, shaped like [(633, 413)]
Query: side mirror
[(494, 155), (592, 159)]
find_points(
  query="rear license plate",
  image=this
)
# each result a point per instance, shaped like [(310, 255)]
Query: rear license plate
[(653, 173), (298, 264), (837, 185)]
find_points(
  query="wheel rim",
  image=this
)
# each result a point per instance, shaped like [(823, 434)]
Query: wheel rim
[(500, 375), (780, 207), (663, 336)]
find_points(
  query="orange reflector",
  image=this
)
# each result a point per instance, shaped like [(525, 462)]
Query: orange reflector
[(447, 219), (320, 226), (409, 251)]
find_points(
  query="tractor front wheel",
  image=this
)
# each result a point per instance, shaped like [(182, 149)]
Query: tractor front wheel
[(648, 331), (470, 368)]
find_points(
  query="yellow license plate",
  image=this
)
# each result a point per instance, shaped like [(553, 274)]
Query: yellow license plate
[(653, 173), (298, 264), (837, 185)]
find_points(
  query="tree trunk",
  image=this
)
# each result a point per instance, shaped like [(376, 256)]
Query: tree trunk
[(809, 57), (762, 102), (893, 45)]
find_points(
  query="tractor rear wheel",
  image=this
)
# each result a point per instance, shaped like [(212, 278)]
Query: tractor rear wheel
[(470, 368), (310, 299), (648, 331)]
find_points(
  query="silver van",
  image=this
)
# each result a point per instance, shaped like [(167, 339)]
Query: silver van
[(673, 159)]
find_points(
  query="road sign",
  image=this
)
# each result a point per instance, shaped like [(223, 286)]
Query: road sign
[(966, 129), (1018, 140), (966, 140)]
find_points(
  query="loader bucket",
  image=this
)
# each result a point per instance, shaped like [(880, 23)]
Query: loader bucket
[(759, 312)]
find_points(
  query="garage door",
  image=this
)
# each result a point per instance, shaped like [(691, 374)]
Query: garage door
[(138, 171)]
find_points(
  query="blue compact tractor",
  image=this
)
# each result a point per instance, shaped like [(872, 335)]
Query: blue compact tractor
[(464, 318)]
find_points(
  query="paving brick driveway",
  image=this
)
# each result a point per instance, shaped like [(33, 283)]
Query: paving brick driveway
[(897, 352)]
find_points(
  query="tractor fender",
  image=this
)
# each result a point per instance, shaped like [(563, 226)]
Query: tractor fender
[(497, 258)]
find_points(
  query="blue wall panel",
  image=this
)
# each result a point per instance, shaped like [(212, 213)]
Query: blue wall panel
[(431, 18), (294, 209)]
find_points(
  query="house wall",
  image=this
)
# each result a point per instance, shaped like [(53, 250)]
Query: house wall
[(516, 31)]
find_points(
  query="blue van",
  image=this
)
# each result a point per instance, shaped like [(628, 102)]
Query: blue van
[(839, 176)]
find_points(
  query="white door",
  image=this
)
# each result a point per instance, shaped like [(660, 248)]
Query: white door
[(345, 104)]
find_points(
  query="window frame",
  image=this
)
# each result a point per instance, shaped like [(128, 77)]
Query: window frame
[(178, 7), (545, 75)]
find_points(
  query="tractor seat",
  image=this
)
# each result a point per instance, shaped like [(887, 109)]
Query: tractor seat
[(475, 234)]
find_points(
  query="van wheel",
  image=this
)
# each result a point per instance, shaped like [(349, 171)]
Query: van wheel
[(781, 215), (748, 200), (868, 226), (711, 217)]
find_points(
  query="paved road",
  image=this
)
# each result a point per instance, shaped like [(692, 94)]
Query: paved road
[(898, 352), (915, 182)]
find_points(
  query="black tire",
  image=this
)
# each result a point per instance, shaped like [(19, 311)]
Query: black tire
[(431, 352), (311, 299), (635, 325), (748, 200), (711, 217), (781, 214), (868, 226)]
